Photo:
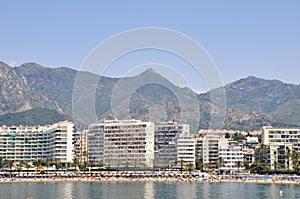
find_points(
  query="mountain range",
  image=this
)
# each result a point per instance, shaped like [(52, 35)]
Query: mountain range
[(31, 94)]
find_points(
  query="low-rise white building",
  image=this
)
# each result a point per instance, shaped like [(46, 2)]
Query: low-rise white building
[(231, 159)]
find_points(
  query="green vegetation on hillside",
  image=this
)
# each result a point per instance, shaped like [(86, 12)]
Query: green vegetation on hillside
[(32, 117)]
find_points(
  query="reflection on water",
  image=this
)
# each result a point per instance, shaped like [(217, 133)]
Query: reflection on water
[(137, 190), (68, 188), (186, 190), (149, 191)]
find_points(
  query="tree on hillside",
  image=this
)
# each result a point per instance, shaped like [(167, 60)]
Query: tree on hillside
[(238, 136)]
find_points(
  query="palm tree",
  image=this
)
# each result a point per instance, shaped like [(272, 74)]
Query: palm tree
[(262, 150), (220, 163), (1, 163), (181, 165), (276, 166), (189, 167), (75, 163), (90, 164), (84, 166), (258, 166), (206, 166), (57, 164), (21, 164), (47, 161), (9, 164), (199, 165), (295, 160), (238, 165), (85, 154), (288, 156), (27, 165)]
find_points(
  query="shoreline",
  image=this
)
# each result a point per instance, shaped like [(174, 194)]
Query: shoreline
[(115, 179)]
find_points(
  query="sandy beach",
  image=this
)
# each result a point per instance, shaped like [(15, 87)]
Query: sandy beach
[(170, 178)]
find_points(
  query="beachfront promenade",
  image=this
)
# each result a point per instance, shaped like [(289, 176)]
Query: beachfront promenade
[(147, 177)]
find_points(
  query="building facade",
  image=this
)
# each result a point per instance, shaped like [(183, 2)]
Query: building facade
[(279, 144), (281, 135), (249, 156), (122, 143), (31, 143), (80, 141), (186, 150), (207, 148), (231, 159), (278, 158), (166, 135)]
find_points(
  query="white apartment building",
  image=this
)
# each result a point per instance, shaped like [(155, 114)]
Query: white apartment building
[(277, 153), (186, 149), (281, 135), (207, 148), (122, 143), (232, 158), (31, 143), (166, 135), (278, 142)]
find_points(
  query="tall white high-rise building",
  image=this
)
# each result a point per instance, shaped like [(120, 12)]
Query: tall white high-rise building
[(186, 149), (31, 143), (207, 148), (166, 135), (122, 143)]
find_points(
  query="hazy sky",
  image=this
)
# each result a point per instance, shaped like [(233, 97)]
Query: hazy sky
[(259, 38)]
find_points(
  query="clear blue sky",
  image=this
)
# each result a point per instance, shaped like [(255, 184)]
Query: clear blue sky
[(259, 38)]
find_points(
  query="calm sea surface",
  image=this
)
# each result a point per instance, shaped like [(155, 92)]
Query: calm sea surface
[(134, 190)]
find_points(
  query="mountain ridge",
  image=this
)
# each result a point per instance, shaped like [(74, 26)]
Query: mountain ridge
[(251, 101)]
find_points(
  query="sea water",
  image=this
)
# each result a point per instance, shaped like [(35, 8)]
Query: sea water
[(146, 190)]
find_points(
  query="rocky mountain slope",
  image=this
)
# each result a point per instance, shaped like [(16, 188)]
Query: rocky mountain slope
[(17, 96), (251, 102)]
